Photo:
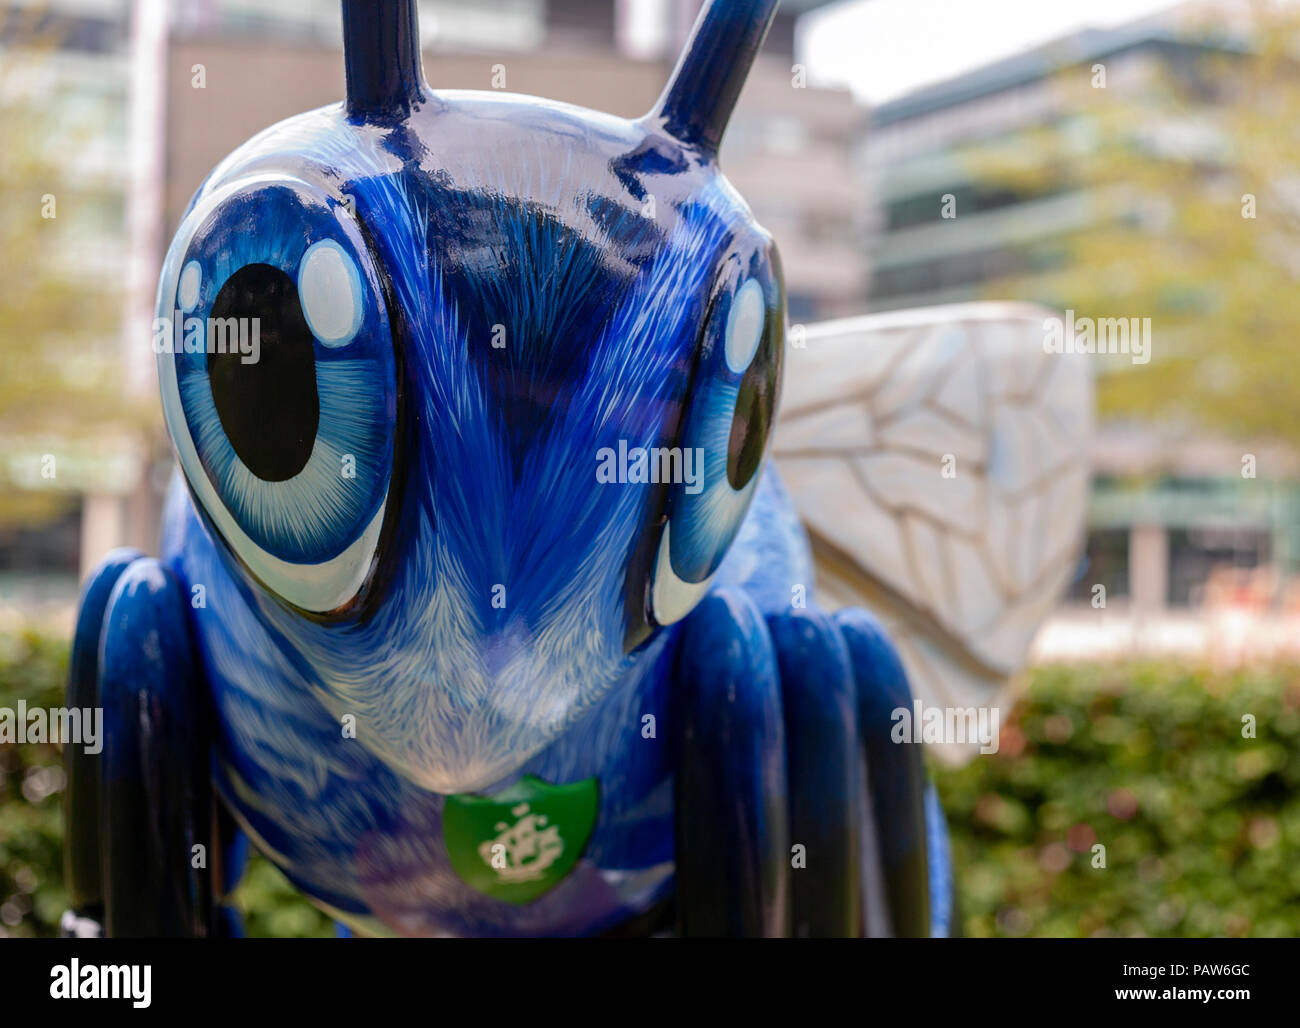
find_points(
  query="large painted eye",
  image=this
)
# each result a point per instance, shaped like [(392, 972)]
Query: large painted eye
[(278, 378), (726, 430)]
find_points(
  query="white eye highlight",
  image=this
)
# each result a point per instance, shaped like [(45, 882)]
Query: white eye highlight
[(672, 597), (745, 326), (329, 288), (187, 293)]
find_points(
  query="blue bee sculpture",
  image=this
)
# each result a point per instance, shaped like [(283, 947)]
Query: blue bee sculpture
[(479, 610)]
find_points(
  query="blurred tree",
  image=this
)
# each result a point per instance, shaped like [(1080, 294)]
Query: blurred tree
[(1192, 180), (60, 351)]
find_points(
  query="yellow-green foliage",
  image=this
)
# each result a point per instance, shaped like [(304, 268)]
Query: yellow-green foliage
[(1189, 180)]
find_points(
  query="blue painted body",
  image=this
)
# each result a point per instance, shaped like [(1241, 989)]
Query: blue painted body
[(364, 840), (527, 288)]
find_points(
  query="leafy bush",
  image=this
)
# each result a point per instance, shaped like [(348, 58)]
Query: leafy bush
[(1146, 760), (1199, 823), (32, 668)]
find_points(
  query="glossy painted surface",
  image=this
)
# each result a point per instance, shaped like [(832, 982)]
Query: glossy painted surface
[(415, 556), (80, 866)]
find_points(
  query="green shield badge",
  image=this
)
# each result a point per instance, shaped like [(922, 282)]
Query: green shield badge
[(518, 844)]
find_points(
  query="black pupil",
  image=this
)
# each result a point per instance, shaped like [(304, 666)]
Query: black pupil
[(269, 409), (755, 407)]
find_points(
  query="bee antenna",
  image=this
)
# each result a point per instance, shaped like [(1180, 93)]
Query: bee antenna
[(381, 55), (704, 87)]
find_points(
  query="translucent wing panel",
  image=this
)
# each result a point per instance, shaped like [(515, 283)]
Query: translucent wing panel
[(939, 459)]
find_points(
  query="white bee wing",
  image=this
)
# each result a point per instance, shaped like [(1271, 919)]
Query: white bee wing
[(939, 459)]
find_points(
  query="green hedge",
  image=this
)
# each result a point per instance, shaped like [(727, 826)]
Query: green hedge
[(1147, 760), (1200, 825), (32, 668)]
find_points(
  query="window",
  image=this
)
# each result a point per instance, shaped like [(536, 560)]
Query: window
[(1104, 562), (1215, 565)]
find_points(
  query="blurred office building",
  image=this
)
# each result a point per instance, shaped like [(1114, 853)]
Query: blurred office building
[(1179, 540), (941, 230)]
